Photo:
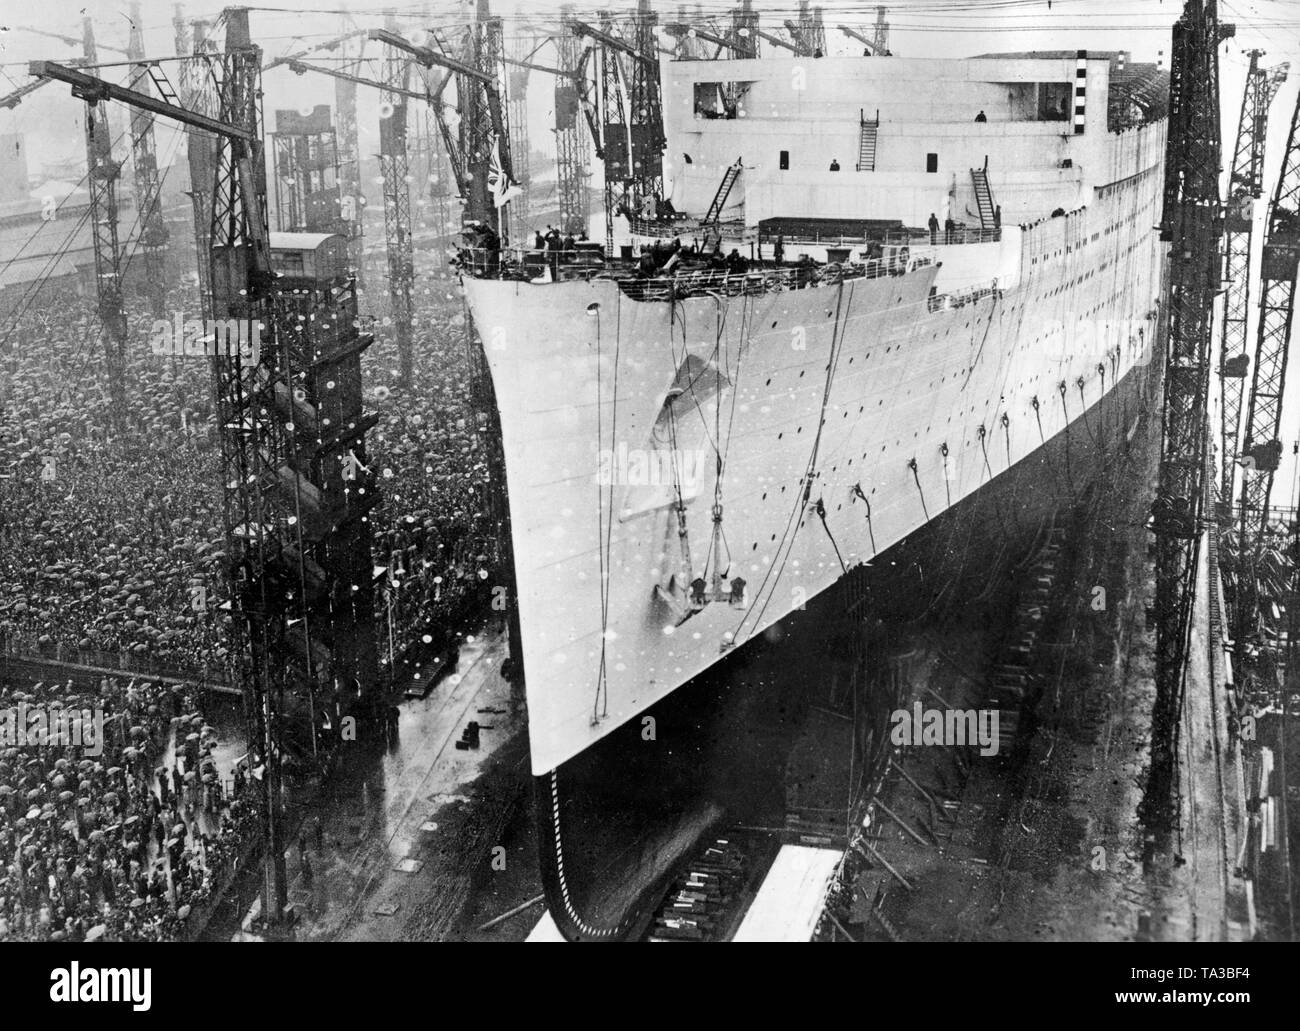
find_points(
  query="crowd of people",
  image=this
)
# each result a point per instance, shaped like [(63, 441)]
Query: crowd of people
[(108, 517), (111, 538), (436, 532), (127, 837)]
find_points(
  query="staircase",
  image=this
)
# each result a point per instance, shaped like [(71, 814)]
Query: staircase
[(867, 144), (979, 178), (712, 231), (729, 178)]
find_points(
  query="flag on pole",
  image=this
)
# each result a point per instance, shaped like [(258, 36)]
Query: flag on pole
[(504, 190)]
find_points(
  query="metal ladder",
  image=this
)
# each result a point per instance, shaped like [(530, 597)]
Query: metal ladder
[(712, 232), (983, 196), (867, 143)]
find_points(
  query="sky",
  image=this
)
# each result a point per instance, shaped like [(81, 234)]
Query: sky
[(50, 119)]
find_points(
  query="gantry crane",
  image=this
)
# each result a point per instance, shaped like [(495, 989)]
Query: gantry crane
[(296, 487), (395, 168), (739, 42), (692, 33), (1245, 185), (878, 44), (880, 41), (570, 147), (305, 159), (626, 117), (1261, 443), (102, 173), (394, 161), (518, 120), (350, 199), (198, 92), (150, 226), (1191, 221), (349, 168), (479, 153), (808, 34)]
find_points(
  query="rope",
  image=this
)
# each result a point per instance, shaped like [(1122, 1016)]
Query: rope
[(871, 533), (947, 479), (802, 499), (821, 513), (911, 464)]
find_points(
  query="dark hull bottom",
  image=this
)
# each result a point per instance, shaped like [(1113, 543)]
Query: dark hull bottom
[(614, 821)]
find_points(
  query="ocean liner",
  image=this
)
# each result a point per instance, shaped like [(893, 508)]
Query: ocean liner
[(961, 319)]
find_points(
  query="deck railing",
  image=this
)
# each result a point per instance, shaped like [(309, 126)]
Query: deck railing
[(682, 281)]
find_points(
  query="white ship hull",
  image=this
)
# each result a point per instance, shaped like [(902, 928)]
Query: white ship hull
[(582, 373)]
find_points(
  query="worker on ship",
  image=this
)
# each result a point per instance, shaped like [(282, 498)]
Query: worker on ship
[(934, 228)]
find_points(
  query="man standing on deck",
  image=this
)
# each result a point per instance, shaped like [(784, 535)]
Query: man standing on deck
[(934, 228)]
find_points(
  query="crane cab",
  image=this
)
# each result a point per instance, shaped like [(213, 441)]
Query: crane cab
[(309, 260)]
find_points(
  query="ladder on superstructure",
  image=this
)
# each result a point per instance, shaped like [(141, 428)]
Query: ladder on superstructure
[(867, 142), (712, 231), (979, 178)]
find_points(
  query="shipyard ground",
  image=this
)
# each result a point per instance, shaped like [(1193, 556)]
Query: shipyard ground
[(412, 841), (1044, 843)]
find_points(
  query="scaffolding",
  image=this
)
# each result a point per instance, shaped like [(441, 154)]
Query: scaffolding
[(305, 156), (1191, 222), (102, 173), (393, 162), (151, 229), (1244, 188)]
